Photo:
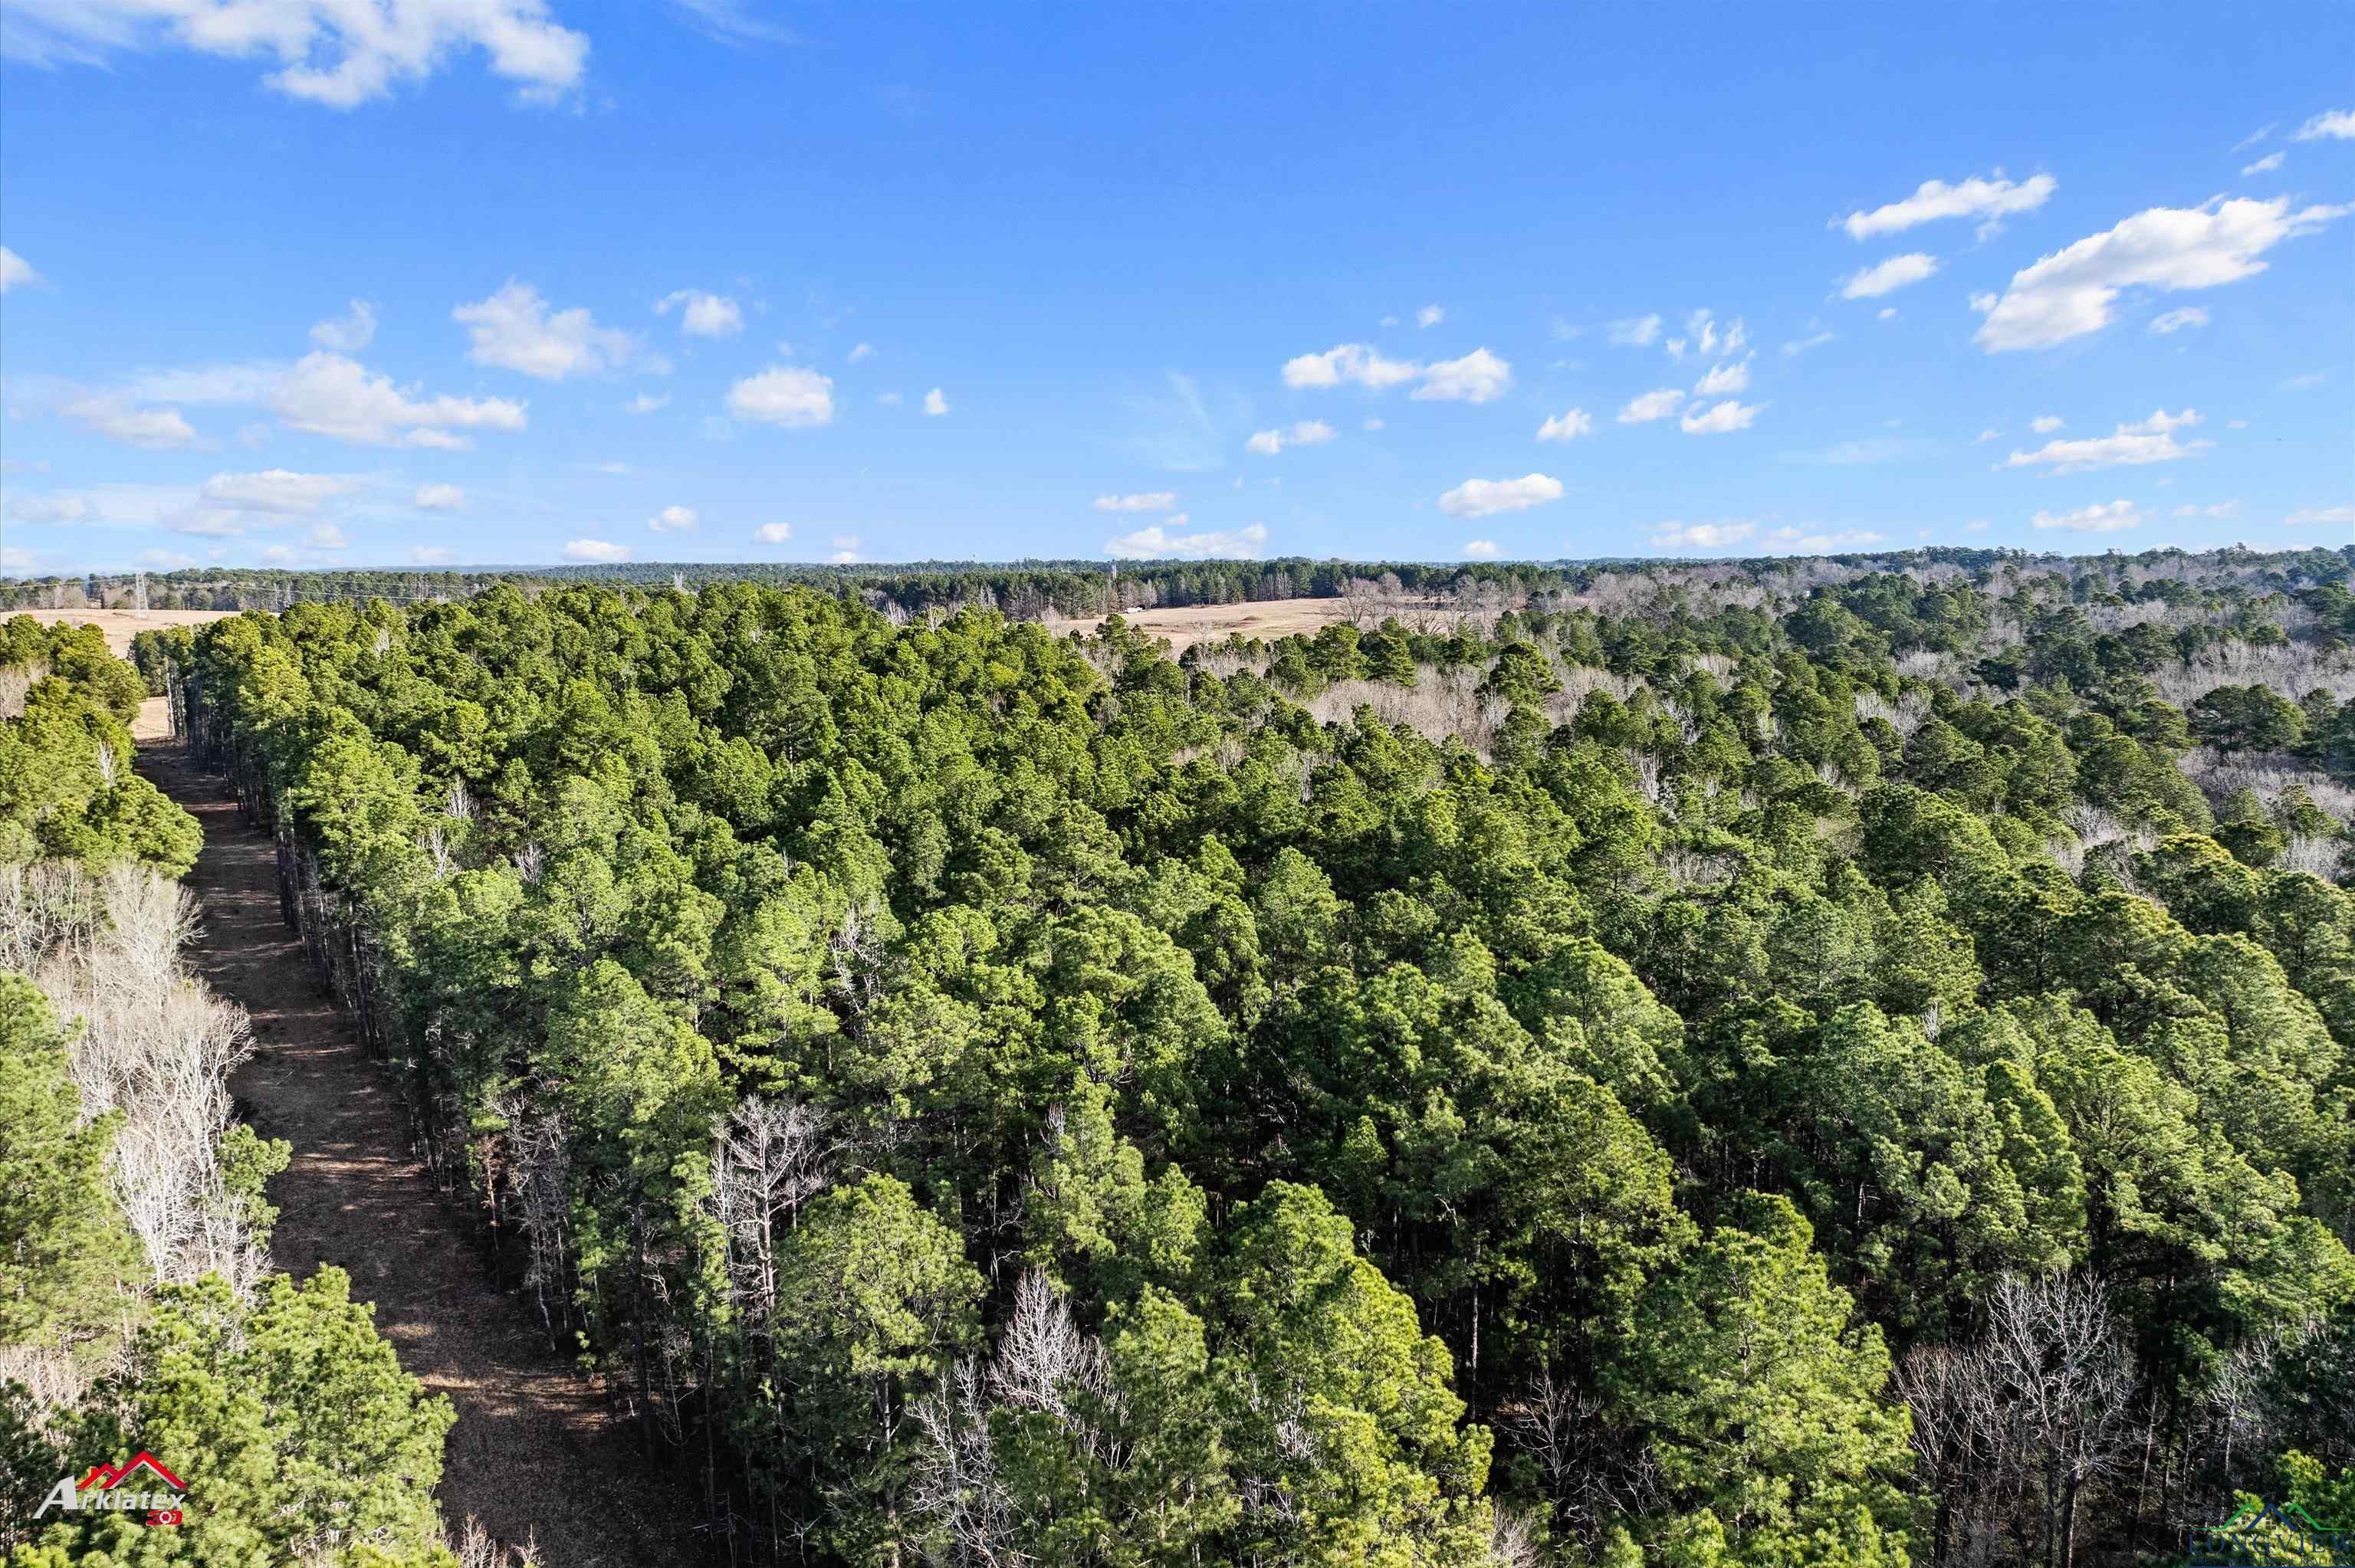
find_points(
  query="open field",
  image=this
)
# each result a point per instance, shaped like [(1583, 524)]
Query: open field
[(122, 625), (1189, 624)]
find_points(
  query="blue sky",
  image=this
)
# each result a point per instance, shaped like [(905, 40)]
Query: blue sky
[(498, 281)]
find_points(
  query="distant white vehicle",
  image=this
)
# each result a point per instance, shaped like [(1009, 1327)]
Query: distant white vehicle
[(1133, 609)]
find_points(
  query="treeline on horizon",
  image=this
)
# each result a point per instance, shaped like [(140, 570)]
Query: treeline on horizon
[(1758, 1063), (1029, 590)]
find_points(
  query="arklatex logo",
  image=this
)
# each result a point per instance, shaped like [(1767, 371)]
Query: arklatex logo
[(103, 1489)]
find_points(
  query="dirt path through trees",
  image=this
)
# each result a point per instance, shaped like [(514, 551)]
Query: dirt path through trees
[(534, 1452)]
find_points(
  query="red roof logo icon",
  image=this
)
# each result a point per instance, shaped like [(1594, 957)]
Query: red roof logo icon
[(106, 1477)]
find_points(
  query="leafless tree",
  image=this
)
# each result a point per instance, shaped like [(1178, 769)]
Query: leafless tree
[(768, 1160)]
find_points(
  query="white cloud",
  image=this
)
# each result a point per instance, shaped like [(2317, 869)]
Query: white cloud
[(673, 519), (2139, 441), (2068, 293), (1304, 433), (349, 333), (2265, 166), (1143, 501), (249, 381), (1373, 422), (861, 350), (1148, 543), (275, 490), (1634, 332), (1721, 418), (1567, 425), (703, 315), (49, 508), (785, 395), (1487, 497), (329, 395), (1888, 276), (936, 405), (1888, 313), (2337, 125), (1702, 336), (157, 429), (2341, 516), (772, 532), (1990, 434), (2221, 509), (428, 556), (596, 550), (1800, 542), (325, 537), (1430, 315), (1700, 536), (1989, 199), (1348, 362), (1724, 380), (2176, 320), (646, 403), (336, 53), (1480, 549), (437, 498), (14, 271), (1654, 405), (1800, 345), (2097, 518), (515, 330), (2045, 424), (1478, 377)]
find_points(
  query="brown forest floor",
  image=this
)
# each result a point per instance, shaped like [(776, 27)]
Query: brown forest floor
[(534, 1452)]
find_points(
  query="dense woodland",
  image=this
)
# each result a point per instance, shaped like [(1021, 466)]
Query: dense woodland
[(1785, 1065)]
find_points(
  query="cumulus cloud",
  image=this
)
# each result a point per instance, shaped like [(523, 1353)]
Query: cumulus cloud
[(514, 329), (1888, 276), (599, 550), (1348, 362), (1634, 332), (2138, 442), (437, 498), (2098, 518), (702, 314), (1987, 199), (49, 508), (349, 333), (2332, 124), (861, 350), (1480, 549), (772, 532), (1720, 417), (1654, 405), (1141, 501), (935, 404), (14, 271), (2176, 320), (1148, 544), (1487, 497), (1567, 425), (113, 417), (1990, 434), (334, 53), (673, 519), (325, 537), (1478, 377), (275, 490), (1675, 535), (646, 403), (1304, 433), (1800, 541), (2068, 293), (1797, 346), (2305, 516), (2265, 166), (785, 395), (329, 395), (1430, 315), (2044, 424), (1724, 380), (1703, 338)]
